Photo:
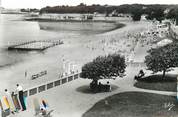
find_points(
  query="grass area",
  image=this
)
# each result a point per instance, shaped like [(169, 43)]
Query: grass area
[(135, 104), (156, 82)]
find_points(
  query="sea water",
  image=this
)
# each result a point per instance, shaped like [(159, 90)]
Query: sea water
[(14, 29), (18, 67)]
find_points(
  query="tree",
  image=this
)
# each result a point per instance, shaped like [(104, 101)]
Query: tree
[(136, 17), (171, 14), (155, 12), (136, 14), (136, 10), (162, 59), (104, 67)]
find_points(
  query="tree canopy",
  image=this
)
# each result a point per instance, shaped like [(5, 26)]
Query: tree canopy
[(155, 11), (104, 67), (162, 59), (136, 14), (173, 14)]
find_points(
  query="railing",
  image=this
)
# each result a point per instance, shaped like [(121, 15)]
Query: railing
[(21, 46), (51, 84)]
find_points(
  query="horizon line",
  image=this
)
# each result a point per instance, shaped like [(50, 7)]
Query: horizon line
[(86, 5)]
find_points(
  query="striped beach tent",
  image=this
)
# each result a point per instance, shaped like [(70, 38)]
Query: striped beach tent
[(5, 103), (10, 101), (5, 106), (45, 104), (16, 102), (1, 109), (36, 105), (25, 101)]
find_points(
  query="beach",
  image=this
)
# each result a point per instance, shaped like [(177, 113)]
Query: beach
[(77, 49)]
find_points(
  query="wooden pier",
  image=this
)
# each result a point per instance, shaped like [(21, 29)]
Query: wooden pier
[(35, 45)]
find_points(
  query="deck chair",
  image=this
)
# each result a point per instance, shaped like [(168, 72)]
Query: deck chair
[(36, 105)]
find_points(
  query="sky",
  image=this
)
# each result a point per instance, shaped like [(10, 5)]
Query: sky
[(43, 3)]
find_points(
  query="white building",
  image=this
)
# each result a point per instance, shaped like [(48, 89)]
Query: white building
[(10, 11)]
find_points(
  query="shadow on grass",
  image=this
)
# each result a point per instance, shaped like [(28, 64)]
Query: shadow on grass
[(156, 82), (135, 104), (86, 89), (158, 78)]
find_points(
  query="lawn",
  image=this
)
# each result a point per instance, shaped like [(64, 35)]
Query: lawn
[(135, 104), (156, 82)]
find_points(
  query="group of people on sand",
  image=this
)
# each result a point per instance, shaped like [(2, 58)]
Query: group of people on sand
[(99, 87), (12, 102)]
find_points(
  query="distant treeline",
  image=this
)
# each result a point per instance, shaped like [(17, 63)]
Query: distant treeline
[(30, 10), (136, 10)]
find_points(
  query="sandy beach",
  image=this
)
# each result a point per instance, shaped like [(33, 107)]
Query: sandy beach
[(78, 50)]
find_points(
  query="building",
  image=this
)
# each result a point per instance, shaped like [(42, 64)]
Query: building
[(10, 11)]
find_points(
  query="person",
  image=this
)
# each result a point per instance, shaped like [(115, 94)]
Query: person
[(140, 75), (94, 86), (21, 98), (108, 87), (10, 101), (100, 86), (43, 112)]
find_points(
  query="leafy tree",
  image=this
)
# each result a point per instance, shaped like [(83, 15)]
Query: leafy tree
[(162, 59), (104, 67), (136, 14), (136, 17), (156, 13), (171, 14)]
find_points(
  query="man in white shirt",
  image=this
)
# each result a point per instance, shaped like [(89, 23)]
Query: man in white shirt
[(19, 88), (21, 98)]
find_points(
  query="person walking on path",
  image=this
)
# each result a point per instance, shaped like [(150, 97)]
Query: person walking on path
[(10, 100), (21, 98)]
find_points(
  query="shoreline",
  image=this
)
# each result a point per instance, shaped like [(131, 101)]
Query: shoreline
[(13, 63), (57, 20)]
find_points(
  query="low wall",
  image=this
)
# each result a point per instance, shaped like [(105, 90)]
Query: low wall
[(51, 84)]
